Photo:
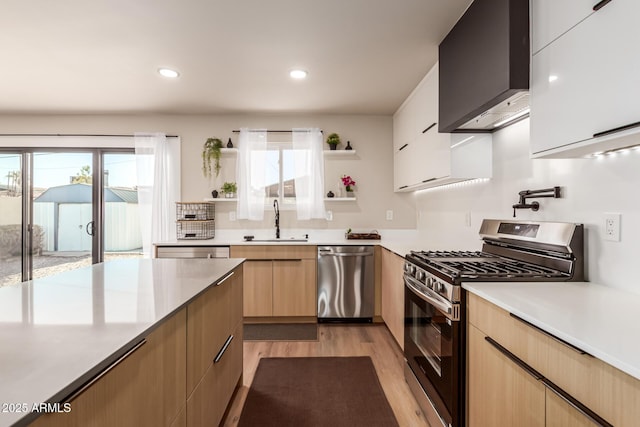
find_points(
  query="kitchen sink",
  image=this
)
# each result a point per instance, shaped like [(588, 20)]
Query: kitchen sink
[(278, 240)]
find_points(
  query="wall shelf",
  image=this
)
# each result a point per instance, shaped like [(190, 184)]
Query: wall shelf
[(221, 199), (339, 199), (331, 153), (339, 153)]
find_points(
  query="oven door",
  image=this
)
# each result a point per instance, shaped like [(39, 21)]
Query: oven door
[(433, 347)]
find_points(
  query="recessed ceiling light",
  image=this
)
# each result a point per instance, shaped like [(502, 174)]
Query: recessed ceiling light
[(298, 74), (167, 72), (553, 78)]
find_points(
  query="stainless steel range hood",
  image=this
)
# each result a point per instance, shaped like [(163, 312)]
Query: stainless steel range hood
[(484, 68)]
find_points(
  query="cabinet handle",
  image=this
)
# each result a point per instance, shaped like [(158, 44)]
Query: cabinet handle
[(223, 349), (553, 337), (104, 372), (600, 5), (593, 417), (287, 259), (219, 282), (528, 369), (402, 186), (618, 129), (403, 147), (429, 180), (433, 124)]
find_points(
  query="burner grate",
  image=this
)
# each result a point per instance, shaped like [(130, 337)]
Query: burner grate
[(462, 265)]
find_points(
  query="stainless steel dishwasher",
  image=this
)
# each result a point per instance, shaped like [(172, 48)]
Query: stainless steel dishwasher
[(345, 283)]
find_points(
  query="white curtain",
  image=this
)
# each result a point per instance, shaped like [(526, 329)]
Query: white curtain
[(251, 173), (158, 180), (308, 162)]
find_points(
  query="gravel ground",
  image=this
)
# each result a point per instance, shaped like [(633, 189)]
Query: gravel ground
[(47, 265)]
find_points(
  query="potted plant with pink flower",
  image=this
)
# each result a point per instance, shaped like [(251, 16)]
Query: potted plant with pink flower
[(348, 183)]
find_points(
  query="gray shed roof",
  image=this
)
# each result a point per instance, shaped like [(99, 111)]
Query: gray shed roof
[(81, 193)]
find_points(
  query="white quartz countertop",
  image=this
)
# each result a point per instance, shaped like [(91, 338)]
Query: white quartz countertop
[(59, 331), (600, 320), (398, 241)]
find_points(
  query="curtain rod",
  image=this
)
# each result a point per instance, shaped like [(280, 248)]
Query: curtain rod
[(75, 134), (269, 131)]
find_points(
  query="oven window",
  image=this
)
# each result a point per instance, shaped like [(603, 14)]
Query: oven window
[(430, 332)]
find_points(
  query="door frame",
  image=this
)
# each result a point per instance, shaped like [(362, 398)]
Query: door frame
[(98, 206)]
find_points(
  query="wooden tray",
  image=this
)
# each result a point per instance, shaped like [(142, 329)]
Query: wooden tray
[(363, 236)]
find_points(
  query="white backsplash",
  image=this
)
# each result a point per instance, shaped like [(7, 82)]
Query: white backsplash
[(449, 218)]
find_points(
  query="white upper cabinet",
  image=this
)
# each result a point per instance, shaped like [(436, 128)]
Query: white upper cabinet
[(425, 158), (552, 18), (584, 84)]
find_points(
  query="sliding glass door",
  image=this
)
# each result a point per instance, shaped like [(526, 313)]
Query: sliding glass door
[(62, 195), (65, 209), (10, 218)]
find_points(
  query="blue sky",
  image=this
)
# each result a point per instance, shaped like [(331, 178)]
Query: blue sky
[(53, 169)]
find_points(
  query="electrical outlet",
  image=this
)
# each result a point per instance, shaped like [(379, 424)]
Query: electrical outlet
[(467, 219), (232, 216), (612, 227), (329, 215), (389, 215)]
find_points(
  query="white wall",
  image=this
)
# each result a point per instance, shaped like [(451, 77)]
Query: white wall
[(371, 137), (590, 187)]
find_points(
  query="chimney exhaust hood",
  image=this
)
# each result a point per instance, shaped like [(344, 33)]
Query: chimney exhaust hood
[(484, 68)]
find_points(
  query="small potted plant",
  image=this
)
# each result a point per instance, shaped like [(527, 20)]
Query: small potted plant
[(333, 140), (211, 153), (348, 183), (229, 189)]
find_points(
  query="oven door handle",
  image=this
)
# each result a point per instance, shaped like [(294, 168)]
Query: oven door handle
[(432, 298)]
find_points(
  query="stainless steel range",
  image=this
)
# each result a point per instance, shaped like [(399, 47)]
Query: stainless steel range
[(434, 343)]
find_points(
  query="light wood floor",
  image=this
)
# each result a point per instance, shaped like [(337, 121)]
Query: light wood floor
[(340, 340)]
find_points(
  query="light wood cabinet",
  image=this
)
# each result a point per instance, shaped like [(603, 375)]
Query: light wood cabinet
[(207, 404), (393, 294), (559, 413), (182, 373), (258, 288), (593, 384), (280, 281), (294, 287), (500, 391), (214, 348), (209, 322), (145, 387)]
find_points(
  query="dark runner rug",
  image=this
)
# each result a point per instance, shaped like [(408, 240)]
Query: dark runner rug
[(281, 332), (316, 392)]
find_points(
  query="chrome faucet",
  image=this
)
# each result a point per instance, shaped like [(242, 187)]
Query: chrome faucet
[(276, 208)]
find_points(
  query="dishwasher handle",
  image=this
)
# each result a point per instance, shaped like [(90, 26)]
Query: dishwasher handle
[(345, 254)]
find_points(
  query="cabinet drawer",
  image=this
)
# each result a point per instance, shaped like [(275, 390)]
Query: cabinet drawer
[(207, 404), (274, 252), (145, 387), (607, 391), (208, 326)]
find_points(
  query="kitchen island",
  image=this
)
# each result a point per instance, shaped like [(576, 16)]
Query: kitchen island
[(564, 349), (60, 332)]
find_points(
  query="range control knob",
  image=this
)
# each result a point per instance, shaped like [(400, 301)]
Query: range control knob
[(430, 283), (440, 287), (421, 276)]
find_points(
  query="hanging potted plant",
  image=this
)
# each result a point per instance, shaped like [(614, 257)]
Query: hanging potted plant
[(211, 154), (333, 140)]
